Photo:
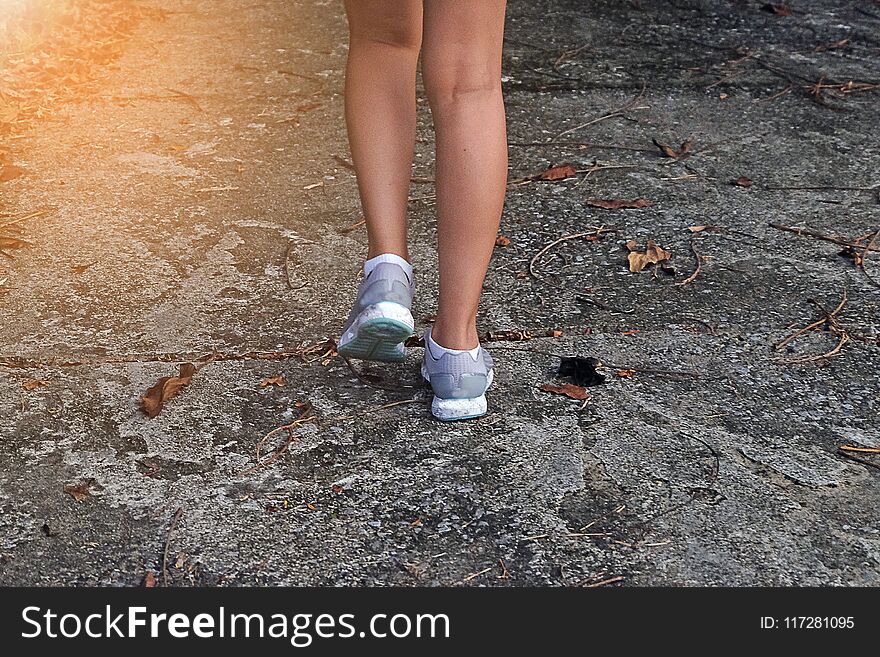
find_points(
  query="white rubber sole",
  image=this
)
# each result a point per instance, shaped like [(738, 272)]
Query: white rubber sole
[(450, 410), (378, 333)]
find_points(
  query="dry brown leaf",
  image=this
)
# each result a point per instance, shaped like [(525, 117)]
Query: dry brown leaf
[(79, 269), (567, 389), (778, 8), (273, 381), (652, 255), (150, 579), (79, 491), (668, 151), (555, 333), (33, 384), (12, 243), (697, 229), (559, 172), (625, 374), (502, 240), (166, 388), (10, 172), (742, 181), (618, 203)]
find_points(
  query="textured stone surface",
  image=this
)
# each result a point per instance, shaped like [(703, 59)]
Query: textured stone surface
[(193, 218)]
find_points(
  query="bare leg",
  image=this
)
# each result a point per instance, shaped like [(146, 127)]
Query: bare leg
[(461, 66), (380, 112)]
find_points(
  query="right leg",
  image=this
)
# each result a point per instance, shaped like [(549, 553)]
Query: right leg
[(380, 112)]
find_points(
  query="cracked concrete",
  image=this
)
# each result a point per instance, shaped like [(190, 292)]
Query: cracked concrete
[(173, 235)]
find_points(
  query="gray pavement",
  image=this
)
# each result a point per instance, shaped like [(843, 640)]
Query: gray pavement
[(215, 221)]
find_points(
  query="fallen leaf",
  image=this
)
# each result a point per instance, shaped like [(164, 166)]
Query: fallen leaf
[(668, 151), (618, 203), (652, 255), (10, 172), (780, 9), (625, 374), (337, 489), (273, 381), (308, 107), (33, 384), (742, 181), (567, 389), (632, 332), (149, 579), (582, 371), (559, 172), (79, 491), (502, 240), (555, 333), (79, 269), (697, 229), (12, 243), (166, 388)]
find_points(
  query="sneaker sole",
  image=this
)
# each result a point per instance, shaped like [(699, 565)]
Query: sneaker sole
[(452, 410), (378, 333)]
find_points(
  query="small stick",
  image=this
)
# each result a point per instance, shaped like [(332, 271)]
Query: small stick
[(699, 260), (171, 527), (620, 111), (579, 144), (853, 448), (604, 582), (818, 235), (475, 575), (787, 90), (819, 188), (595, 232), (32, 215), (380, 386), (864, 257), (858, 459)]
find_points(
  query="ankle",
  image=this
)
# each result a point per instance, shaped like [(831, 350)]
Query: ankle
[(455, 337)]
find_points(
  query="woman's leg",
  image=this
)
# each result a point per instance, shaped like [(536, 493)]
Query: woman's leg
[(461, 67), (380, 112)]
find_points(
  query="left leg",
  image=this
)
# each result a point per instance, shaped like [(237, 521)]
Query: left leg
[(461, 68)]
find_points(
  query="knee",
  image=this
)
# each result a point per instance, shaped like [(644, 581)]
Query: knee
[(451, 80), (407, 38)]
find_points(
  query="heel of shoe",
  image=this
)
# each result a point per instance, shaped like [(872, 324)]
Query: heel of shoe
[(448, 410), (378, 333)]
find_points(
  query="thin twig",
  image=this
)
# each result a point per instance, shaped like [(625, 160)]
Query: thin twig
[(699, 268), (620, 111), (380, 386), (858, 459), (834, 327), (171, 527), (604, 582), (594, 232), (477, 574), (819, 236), (31, 215), (853, 448), (864, 256)]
